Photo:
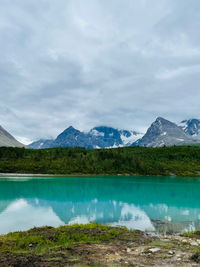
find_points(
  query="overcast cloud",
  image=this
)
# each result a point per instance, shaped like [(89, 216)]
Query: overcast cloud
[(85, 63)]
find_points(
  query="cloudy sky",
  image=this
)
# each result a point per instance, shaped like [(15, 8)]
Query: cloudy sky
[(85, 63)]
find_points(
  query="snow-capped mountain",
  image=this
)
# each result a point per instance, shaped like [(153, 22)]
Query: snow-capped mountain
[(164, 133), (98, 137), (191, 126), (6, 139)]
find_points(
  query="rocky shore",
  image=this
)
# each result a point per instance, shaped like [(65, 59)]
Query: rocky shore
[(97, 245)]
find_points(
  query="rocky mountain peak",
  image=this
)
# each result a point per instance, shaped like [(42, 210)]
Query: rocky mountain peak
[(160, 126), (71, 129), (68, 131), (163, 122), (163, 132), (160, 119)]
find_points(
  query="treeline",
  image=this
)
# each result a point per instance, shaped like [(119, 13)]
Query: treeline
[(176, 160)]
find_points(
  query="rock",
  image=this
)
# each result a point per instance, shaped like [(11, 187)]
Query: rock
[(170, 252), (184, 241), (194, 243), (128, 250), (153, 250)]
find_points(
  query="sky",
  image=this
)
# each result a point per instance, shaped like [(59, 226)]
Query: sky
[(86, 63)]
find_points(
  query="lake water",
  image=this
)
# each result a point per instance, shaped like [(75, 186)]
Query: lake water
[(146, 203)]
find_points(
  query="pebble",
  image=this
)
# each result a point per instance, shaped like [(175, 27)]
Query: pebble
[(153, 250), (128, 250)]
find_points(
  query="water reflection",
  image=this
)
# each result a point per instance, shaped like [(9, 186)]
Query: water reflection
[(20, 215), (134, 218), (144, 203)]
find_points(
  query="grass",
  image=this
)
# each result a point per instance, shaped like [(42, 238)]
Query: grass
[(41, 240), (63, 245), (158, 243), (194, 234), (87, 245)]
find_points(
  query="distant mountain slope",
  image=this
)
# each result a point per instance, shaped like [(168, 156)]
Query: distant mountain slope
[(191, 127), (42, 143), (163, 132), (6, 139), (72, 137), (98, 137)]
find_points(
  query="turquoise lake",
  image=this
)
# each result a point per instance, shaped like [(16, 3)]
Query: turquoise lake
[(146, 203)]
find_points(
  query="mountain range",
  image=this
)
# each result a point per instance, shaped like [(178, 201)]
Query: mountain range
[(98, 137), (160, 133)]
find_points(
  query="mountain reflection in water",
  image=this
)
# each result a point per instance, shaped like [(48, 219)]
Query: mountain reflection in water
[(144, 203)]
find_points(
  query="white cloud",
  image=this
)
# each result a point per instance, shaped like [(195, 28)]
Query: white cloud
[(86, 63), (170, 74)]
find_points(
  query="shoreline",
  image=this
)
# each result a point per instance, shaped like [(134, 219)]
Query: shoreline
[(80, 175), (84, 245)]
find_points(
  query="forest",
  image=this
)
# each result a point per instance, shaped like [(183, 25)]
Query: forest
[(167, 161)]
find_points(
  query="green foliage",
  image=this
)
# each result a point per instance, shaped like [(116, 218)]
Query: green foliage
[(194, 234), (41, 240), (175, 160)]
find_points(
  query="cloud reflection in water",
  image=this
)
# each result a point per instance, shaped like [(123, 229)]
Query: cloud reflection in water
[(20, 215)]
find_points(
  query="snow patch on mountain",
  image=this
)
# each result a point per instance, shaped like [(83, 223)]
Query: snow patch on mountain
[(96, 133), (191, 127), (129, 139)]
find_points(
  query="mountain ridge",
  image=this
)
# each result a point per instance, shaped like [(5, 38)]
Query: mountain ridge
[(6, 139)]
